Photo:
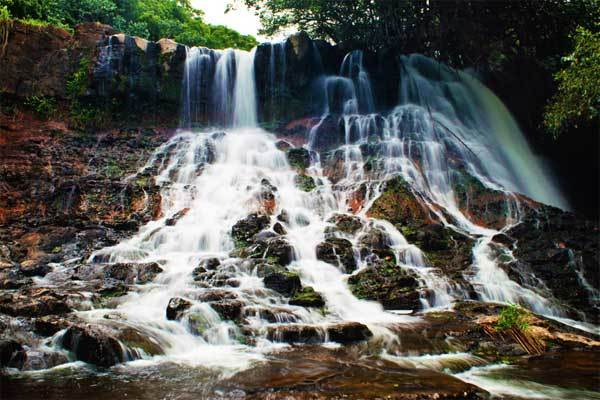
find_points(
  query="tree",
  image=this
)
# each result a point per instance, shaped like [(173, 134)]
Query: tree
[(577, 100), (150, 19)]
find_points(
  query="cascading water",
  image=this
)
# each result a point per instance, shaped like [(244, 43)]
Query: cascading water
[(222, 314)]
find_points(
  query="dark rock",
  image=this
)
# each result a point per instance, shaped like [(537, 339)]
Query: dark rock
[(307, 297), (217, 295), (278, 250), (388, 284), (133, 273), (376, 241), (12, 354), (228, 309), (176, 307), (296, 334), (34, 303), (35, 267), (171, 221), (39, 360), (338, 252), (93, 346), (210, 263), (305, 182), (13, 279), (348, 332), (298, 158), (50, 324), (283, 217), (246, 228), (504, 239), (135, 339), (282, 281), (346, 223), (279, 229)]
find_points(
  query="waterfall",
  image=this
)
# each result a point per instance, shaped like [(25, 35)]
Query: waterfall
[(466, 108), (442, 130), (244, 112)]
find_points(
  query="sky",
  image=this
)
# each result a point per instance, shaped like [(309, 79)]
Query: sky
[(241, 18)]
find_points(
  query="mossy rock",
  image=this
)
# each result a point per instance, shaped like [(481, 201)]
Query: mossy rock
[(307, 297), (305, 183)]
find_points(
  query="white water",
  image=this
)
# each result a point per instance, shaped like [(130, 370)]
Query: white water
[(218, 178)]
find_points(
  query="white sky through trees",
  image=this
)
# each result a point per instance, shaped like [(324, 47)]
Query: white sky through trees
[(240, 18)]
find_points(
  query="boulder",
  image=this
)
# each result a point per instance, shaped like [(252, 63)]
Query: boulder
[(93, 346), (176, 307), (228, 309), (12, 354), (34, 303), (307, 297), (348, 332), (298, 158), (388, 284), (243, 230), (281, 280), (345, 223), (338, 252), (131, 273)]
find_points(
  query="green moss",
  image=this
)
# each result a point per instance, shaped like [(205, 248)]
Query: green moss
[(307, 297), (113, 170), (305, 183)]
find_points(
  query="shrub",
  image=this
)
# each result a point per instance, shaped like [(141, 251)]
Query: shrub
[(512, 317), (43, 106)]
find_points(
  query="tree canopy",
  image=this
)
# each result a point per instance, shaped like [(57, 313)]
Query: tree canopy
[(151, 19), (461, 32), (577, 100)]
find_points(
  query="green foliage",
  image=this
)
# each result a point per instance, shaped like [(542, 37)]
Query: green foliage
[(43, 106), (150, 19), (578, 98), (461, 32), (512, 317), (4, 14), (77, 84)]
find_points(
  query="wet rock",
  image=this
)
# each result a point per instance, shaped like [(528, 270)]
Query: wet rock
[(176, 307), (279, 229), (338, 252), (280, 280), (35, 267), (279, 251), (34, 303), (283, 217), (305, 183), (50, 324), (39, 360), (388, 284), (217, 295), (246, 228), (283, 145), (307, 297), (296, 334), (133, 273), (562, 250), (93, 346), (135, 339), (266, 197), (503, 239), (228, 309), (13, 279), (171, 221), (345, 223), (298, 158), (376, 241), (12, 354), (348, 332)]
